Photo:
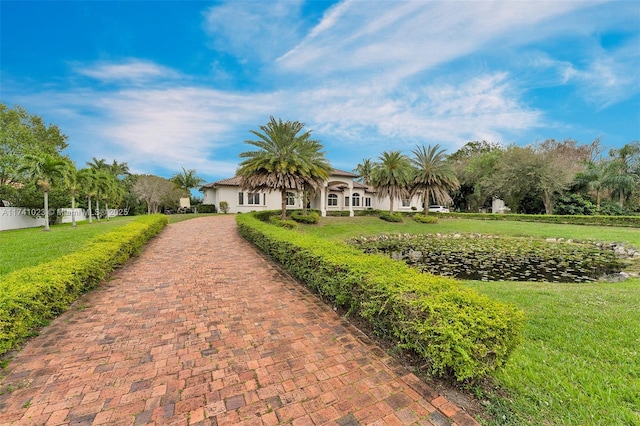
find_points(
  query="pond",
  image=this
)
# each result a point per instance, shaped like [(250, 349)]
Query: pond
[(491, 258)]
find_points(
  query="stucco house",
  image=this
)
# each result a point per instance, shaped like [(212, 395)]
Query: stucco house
[(341, 192)]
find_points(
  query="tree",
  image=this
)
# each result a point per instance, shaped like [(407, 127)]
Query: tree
[(286, 160), (434, 177), (87, 181), (155, 191), (46, 170), (74, 183), (187, 180), (24, 134), (364, 170), (474, 164), (594, 177), (392, 176), (623, 173)]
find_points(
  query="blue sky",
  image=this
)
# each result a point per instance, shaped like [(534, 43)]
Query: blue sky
[(168, 84)]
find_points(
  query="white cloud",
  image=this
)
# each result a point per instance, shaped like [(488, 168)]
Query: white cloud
[(130, 71), (399, 39)]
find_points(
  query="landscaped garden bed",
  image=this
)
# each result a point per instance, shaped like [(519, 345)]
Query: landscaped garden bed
[(492, 258)]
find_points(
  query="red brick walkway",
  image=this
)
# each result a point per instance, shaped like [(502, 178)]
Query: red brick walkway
[(203, 330)]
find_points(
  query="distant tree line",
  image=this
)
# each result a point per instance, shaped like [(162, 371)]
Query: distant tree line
[(36, 174), (551, 177)]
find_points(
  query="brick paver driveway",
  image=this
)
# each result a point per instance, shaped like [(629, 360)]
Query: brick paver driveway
[(202, 329)]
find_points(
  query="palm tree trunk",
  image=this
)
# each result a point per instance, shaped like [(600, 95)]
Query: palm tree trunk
[(621, 200), (425, 204), (90, 213), (106, 209), (283, 204), (98, 210), (391, 204), (46, 210), (73, 210)]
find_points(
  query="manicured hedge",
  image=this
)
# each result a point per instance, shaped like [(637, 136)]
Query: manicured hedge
[(455, 330), (31, 297), (628, 221)]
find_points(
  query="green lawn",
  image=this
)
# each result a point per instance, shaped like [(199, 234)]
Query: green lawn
[(21, 248), (580, 360)]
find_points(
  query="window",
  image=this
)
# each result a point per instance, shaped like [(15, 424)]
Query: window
[(406, 202), (240, 198), (253, 198), (356, 200), (291, 199), (367, 202), (346, 201), (333, 200)]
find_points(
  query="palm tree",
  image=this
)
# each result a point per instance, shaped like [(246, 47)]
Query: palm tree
[(392, 176), (46, 169), (286, 160), (105, 185), (316, 172), (364, 170), (187, 180), (74, 183), (594, 176), (623, 175), (87, 180), (434, 177)]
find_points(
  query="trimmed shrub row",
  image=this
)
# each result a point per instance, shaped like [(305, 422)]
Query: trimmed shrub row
[(628, 221), (454, 329), (31, 297)]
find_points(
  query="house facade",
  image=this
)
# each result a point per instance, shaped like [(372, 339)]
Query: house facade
[(341, 192)]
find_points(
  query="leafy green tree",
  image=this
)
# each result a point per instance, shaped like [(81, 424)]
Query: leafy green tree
[(287, 159), (434, 178), (46, 170), (392, 176), (474, 165), (24, 134)]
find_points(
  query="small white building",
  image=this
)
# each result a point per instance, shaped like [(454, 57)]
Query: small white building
[(341, 192)]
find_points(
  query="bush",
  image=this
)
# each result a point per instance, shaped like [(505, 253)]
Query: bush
[(286, 223), (574, 204), (310, 218), (453, 328), (418, 217), (599, 220), (207, 208), (224, 207), (391, 217), (31, 297)]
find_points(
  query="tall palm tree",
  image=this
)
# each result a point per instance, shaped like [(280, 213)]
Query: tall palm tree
[(105, 184), (316, 171), (74, 183), (46, 169), (434, 177), (286, 160), (187, 180), (87, 180), (392, 176), (594, 176), (364, 170), (623, 176)]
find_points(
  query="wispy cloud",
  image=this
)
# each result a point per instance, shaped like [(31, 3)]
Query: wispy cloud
[(253, 30), (128, 71)]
